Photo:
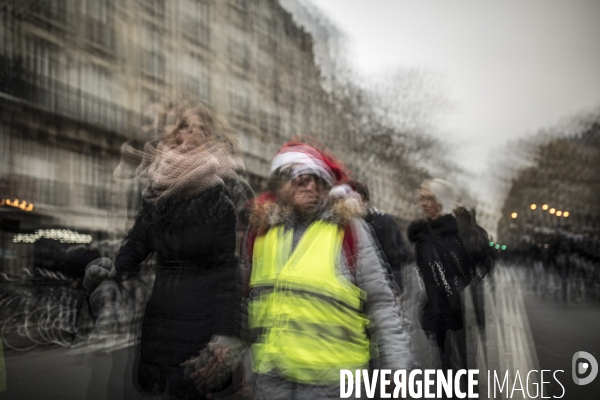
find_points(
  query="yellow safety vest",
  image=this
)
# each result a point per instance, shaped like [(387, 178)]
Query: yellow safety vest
[(309, 315)]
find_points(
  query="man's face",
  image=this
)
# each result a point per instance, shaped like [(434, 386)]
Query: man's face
[(306, 192), (429, 204)]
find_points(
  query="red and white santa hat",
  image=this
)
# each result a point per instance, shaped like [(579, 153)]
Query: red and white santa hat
[(303, 158)]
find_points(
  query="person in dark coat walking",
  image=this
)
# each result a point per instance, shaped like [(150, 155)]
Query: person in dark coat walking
[(477, 243), (387, 233), (193, 179), (445, 267)]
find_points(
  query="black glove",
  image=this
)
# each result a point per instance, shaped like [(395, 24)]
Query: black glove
[(96, 272), (215, 364)]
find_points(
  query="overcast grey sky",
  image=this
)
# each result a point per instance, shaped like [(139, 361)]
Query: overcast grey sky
[(512, 67)]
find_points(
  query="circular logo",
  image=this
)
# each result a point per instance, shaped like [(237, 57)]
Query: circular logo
[(580, 367)]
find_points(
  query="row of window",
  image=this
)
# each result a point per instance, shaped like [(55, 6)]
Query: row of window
[(44, 58), (42, 192), (36, 159), (99, 10), (41, 174)]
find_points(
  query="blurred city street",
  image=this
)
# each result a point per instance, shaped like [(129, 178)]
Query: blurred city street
[(240, 199)]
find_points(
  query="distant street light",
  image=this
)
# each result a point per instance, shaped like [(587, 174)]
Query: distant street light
[(552, 210), (533, 206), (545, 207), (558, 213), (513, 215), (566, 214)]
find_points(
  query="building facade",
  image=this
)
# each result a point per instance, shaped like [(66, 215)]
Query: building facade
[(77, 76)]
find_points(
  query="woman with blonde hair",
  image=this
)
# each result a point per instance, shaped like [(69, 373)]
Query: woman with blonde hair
[(193, 180)]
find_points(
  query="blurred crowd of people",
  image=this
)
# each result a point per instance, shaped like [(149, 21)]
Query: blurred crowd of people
[(318, 283), (561, 264)]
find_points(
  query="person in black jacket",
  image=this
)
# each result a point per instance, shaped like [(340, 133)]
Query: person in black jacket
[(193, 181), (445, 267), (386, 230), (477, 243)]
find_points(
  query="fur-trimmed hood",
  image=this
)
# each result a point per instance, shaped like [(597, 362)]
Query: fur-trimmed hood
[(267, 214)]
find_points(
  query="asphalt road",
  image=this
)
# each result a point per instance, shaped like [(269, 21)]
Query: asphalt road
[(559, 331)]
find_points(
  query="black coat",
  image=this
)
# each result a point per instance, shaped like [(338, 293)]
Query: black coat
[(446, 269), (390, 241), (194, 291), (476, 241)]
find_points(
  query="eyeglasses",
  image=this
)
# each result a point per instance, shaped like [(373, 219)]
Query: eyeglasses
[(305, 179), (285, 174)]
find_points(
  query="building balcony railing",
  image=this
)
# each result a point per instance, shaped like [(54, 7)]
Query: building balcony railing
[(65, 100)]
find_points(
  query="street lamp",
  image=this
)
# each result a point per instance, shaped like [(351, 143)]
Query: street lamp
[(558, 213), (533, 206), (545, 207), (566, 214), (552, 210), (513, 215)]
